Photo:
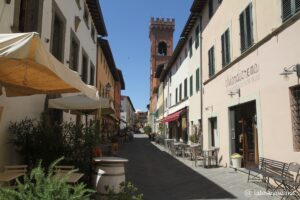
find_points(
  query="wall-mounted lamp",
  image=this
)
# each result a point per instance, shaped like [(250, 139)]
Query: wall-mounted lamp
[(290, 70), (232, 93), (7, 1), (47, 40)]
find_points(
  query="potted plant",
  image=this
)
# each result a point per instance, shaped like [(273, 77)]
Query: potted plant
[(236, 160), (193, 138)]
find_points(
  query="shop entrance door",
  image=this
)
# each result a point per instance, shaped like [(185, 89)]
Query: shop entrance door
[(244, 132)]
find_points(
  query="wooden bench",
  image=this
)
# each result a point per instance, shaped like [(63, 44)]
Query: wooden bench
[(11, 173), (267, 169), (64, 168), (62, 171), (16, 168)]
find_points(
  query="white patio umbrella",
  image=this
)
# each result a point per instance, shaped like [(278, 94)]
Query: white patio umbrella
[(82, 104), (27, 68)]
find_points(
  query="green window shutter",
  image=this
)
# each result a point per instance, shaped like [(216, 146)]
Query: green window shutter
[(210, 8), (289, 8), (191, 86), (286, 9), (249, 26), (197, 37), (180, 92), (185, 88), (228, 59), (197, 80), (242, 31), (223, 50), (246, 28), (176, 95), (191, 47), (297, 5), (211, 61)]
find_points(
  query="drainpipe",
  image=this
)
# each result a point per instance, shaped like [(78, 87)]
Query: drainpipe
[(201, 76)]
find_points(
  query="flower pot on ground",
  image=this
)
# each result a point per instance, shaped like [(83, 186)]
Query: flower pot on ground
[(236, 160)]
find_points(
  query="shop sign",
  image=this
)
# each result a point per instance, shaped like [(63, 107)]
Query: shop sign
[(242, 77)]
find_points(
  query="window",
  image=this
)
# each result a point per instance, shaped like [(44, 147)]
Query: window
[(84, 68), (176, 95), (162, 49), (58, 35), (185, 88), (74, 52), (92, 74), (185, 52), (197, 31), (166, 103), (197, 79), (29, 20), (86, 16), (225, 48), (93, 33), (246, 28), (180, 92), (289, 8), (170, 78), (295, 108), (170, 100), (191, 86), (211, 61), (210, 8), (191, 47)]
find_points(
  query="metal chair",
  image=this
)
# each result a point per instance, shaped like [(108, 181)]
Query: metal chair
[(197, 154)]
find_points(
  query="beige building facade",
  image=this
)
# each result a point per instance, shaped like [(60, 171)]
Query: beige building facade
[(249, 99), (69, 31)]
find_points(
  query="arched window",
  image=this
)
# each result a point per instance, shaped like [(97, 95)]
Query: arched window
[(162, 49)]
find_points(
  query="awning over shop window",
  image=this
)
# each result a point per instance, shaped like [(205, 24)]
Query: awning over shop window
[(27, 68), (173, 116)]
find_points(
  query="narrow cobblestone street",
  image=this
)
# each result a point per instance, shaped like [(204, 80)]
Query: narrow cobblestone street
[(159, 176)]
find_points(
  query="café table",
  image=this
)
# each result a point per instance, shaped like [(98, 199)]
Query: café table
[(210, 155), (167, 142)]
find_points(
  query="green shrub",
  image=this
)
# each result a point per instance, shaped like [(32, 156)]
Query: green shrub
[(194, 138), (147, 129), (44, 185), (38, 140), (127, 192)]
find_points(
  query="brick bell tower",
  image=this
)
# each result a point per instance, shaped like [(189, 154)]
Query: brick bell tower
[(161, 39)]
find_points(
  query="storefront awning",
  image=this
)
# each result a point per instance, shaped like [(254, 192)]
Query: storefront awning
[(173, 116), (27, 68)]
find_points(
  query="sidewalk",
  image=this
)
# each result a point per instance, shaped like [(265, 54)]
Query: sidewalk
[(232, 181), (160, 176)]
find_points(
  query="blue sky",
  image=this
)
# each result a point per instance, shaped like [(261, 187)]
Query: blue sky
[(127, 23)]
